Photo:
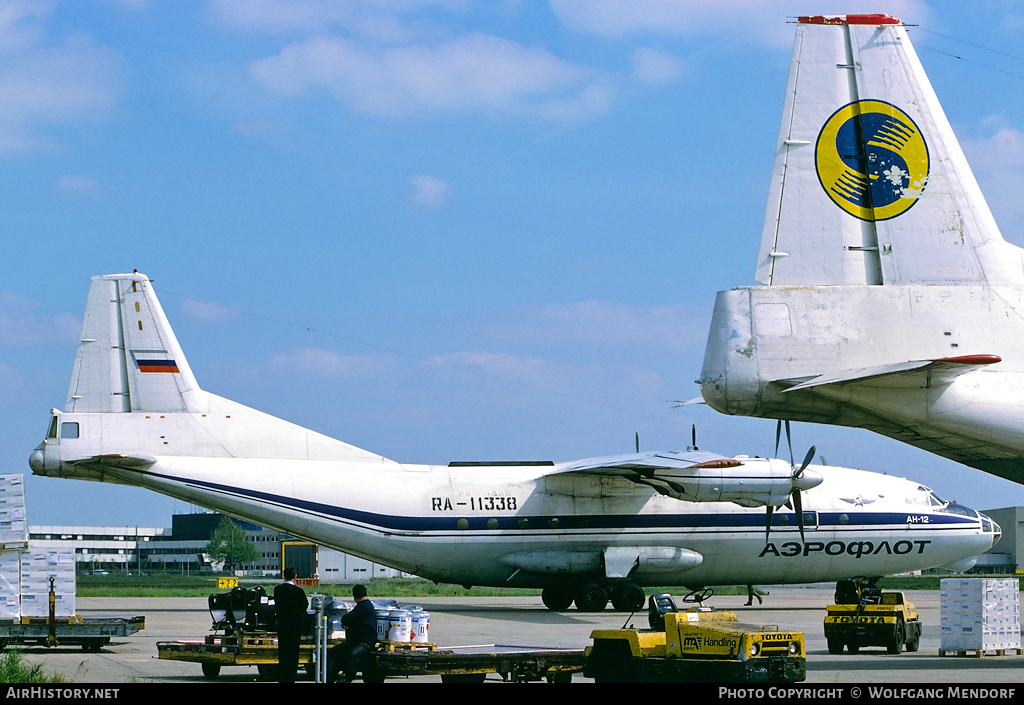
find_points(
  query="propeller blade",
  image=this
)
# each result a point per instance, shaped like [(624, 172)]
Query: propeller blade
[(803, 466), (789, 442), (637, 441), (778, 436), (693, 436), (768, 522), (798, 507)]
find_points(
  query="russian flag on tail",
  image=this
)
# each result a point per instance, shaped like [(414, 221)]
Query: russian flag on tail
[(157, 365)]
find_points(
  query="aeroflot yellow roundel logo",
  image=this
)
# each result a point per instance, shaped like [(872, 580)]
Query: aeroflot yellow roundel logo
[(872, 160)]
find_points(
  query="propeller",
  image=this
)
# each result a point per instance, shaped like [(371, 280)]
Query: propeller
[(797, 476)]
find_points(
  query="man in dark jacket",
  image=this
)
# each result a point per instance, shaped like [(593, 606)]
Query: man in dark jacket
[(290, 602), (360, 625)]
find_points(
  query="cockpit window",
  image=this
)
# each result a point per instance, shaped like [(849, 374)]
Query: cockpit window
[(954, 508), (69, 429), (932, 499), (52, 431)]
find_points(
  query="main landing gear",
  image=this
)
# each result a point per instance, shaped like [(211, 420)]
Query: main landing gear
[(594, 596)]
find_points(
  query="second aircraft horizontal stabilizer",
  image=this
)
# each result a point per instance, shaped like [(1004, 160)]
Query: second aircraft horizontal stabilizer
[(912, 374)]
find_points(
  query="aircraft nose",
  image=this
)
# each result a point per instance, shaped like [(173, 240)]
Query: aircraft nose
[(987, 525), (36, 461)]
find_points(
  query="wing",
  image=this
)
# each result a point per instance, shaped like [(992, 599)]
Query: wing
[(697, 476)]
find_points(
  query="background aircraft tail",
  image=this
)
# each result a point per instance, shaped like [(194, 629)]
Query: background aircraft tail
[(128, 358), (870, 185)]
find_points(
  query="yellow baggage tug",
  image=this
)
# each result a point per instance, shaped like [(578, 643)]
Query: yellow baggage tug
[(699, 645), (864, 615)]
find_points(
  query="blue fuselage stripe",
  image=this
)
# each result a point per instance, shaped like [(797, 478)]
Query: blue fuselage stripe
[(852, 521)]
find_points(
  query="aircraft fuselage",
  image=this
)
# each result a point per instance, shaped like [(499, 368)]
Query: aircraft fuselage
[(530, 525)]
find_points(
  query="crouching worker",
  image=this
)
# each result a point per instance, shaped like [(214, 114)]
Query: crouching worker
[(360, 625)]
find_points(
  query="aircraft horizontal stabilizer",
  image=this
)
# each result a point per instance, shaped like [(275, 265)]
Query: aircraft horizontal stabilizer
[(696, 476), (912, 374)]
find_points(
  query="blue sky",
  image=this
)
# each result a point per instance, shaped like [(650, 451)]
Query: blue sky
[(436, 229)]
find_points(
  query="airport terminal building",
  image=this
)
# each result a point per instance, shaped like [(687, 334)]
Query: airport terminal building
[(182, 548)]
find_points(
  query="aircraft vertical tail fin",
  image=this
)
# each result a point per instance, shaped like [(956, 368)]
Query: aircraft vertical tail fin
[(870, 185), (128, 358)]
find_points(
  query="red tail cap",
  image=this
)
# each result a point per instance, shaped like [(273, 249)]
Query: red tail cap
[(848, 19)]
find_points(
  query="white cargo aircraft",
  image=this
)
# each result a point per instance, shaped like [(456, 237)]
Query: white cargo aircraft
[(583, 531), (889, 299)]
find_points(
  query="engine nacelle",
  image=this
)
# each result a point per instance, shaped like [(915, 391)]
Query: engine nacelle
[(749, 482)]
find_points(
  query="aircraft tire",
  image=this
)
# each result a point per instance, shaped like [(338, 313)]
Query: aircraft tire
[(628, 598), (557, 597), (591, 598)]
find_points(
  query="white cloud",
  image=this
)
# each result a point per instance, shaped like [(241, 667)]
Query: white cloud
[(428, 191), (998, 162), (20, 23), (504, 365), (763, 20), (608, 324), (317, 362), (78, 185), (42, 85), (370, 19), (22, 324), (206, 311), (473, 73), (656, 66)]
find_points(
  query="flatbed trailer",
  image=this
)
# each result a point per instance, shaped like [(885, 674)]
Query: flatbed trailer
[(239, 649), (390, 659), (472, 664), (91, 633)]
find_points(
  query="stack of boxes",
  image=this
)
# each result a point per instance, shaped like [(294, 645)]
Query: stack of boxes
[(13, 527), (980, 614), (25, 572), (10, 586), (37, 567)]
